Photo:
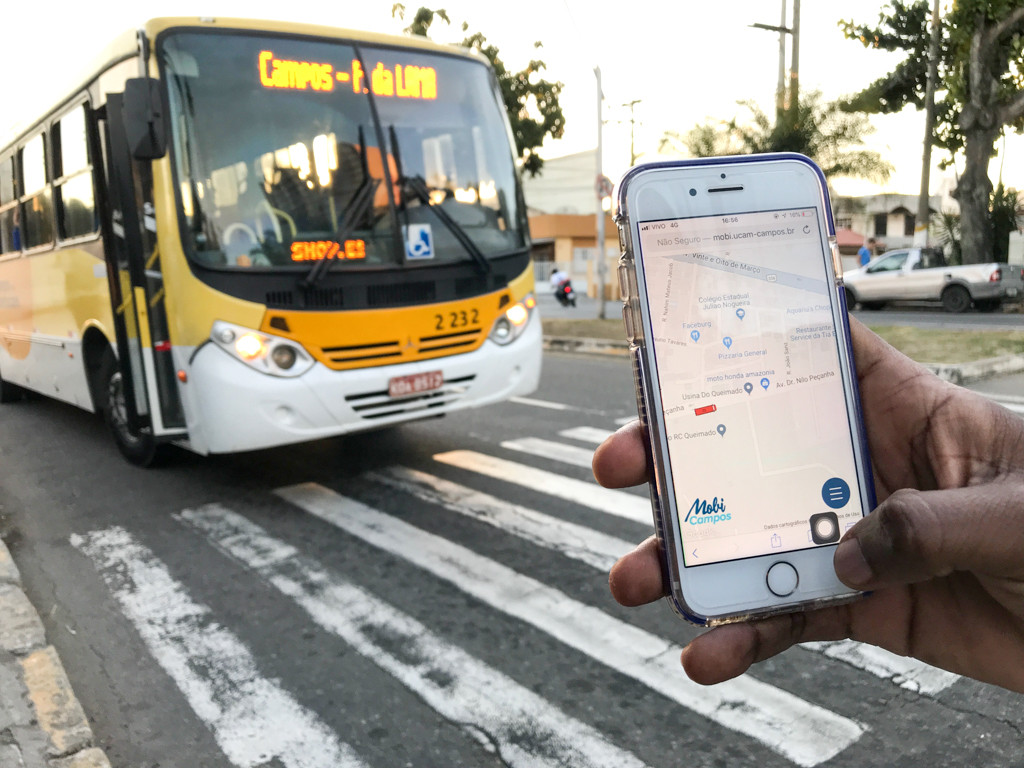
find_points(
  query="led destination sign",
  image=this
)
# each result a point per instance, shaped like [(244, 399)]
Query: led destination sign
[(317, 250), (404, 82)]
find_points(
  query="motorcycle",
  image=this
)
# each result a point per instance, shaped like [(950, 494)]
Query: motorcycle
[(565, 294)]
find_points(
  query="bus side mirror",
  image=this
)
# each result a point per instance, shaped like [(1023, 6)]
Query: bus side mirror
[(144, 114)]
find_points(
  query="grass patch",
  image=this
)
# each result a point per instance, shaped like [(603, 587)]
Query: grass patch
[(925, 345), (928, 345), (584, 328)]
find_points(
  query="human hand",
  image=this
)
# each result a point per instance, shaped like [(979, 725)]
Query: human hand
[(942, 554)]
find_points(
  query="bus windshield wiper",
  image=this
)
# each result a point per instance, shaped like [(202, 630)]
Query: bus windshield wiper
[(354, 213), (418, 187)]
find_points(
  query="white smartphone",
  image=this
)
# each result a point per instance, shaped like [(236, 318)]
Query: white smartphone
[(735, 312)]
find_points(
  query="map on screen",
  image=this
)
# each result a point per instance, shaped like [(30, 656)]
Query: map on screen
[(759, 438)]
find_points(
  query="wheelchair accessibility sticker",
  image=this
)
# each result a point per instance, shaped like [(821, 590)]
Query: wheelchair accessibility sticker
[(419, 241)]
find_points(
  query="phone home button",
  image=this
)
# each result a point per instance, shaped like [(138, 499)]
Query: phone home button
[(782, 579)]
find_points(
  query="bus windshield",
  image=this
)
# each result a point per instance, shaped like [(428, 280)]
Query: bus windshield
[(289, 151)]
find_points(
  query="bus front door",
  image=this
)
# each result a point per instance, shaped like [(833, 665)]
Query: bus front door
[(143, 401)]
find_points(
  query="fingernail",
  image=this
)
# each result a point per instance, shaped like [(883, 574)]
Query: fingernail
[(850, 565)]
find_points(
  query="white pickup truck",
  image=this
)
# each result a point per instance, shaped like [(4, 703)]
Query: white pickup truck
[(922, 274)]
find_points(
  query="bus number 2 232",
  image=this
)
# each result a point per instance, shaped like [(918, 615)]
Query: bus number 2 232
[(459, 319)]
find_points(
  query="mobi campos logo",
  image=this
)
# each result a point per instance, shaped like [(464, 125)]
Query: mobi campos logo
[(704, 512)]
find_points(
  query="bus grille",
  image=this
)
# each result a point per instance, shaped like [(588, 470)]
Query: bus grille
[(394, 294), (389, 352), (378, 405)]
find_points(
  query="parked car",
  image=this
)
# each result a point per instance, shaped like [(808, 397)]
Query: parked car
[(923, 274)]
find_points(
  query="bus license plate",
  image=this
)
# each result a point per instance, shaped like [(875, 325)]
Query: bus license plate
[(400, 386)]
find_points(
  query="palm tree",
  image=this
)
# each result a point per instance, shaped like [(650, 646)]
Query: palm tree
[(822, 131)]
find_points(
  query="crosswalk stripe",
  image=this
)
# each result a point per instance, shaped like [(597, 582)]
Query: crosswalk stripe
[(587, 434), (525, 729), (905, 672), (549, 449), (541, 404), (601, 551), (576, 541), (802, 732), (587, 494), (255, 722)]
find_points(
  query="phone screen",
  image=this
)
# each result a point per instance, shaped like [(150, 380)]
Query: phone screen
[(760, 443)]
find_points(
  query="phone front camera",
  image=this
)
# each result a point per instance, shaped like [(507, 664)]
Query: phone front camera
[(723, 175), (693, 192)]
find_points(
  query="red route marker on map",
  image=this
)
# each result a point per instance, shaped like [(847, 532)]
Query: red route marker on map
[(705, 410)]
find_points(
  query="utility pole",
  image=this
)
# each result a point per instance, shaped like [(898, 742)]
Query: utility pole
[(923, 207), (794, 72), (599, 259), (780, 89), (632, 130)]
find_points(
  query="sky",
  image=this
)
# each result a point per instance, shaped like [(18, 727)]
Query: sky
[(685, 61)]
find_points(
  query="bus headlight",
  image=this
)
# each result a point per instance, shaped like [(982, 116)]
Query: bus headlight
[(266, 353), (513, 321)]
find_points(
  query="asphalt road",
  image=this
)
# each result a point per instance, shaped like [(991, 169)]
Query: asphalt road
[(431, 595)]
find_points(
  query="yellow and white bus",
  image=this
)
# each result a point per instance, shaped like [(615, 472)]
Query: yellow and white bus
[(241, 234)]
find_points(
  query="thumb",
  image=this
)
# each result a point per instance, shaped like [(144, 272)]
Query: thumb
[(918, 535)]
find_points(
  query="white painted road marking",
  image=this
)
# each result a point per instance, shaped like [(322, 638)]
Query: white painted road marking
[(905, 672), (587, 494), (548, 449), (576, 541), (542, 404), (255, 722), (601, 552), (526, 729), (587, 434), (804, 733)]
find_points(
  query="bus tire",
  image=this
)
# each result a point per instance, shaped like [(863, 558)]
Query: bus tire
[(139, 449)]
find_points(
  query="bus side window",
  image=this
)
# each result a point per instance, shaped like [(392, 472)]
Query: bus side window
[(10, 231), (76, 201), (37, 202)]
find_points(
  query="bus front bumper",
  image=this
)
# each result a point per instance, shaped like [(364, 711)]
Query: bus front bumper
[(230, 407)]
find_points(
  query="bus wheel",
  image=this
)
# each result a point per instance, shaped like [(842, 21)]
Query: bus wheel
[(138, 447)]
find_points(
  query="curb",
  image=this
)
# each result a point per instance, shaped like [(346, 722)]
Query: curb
[(42, 725), (978, 370), (586, 346), (957, 373)]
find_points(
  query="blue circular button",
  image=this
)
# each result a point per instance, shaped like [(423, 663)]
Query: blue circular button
[(835, 493)]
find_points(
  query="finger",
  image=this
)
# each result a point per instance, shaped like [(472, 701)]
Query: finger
[(637, 578), (728, 651), (918, 535), (621, 460)]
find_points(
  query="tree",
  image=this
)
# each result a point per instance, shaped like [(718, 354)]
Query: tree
[(822, 131), (531, 102), (981, 71)]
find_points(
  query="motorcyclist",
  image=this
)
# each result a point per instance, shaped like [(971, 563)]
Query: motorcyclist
[(558, 277)]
